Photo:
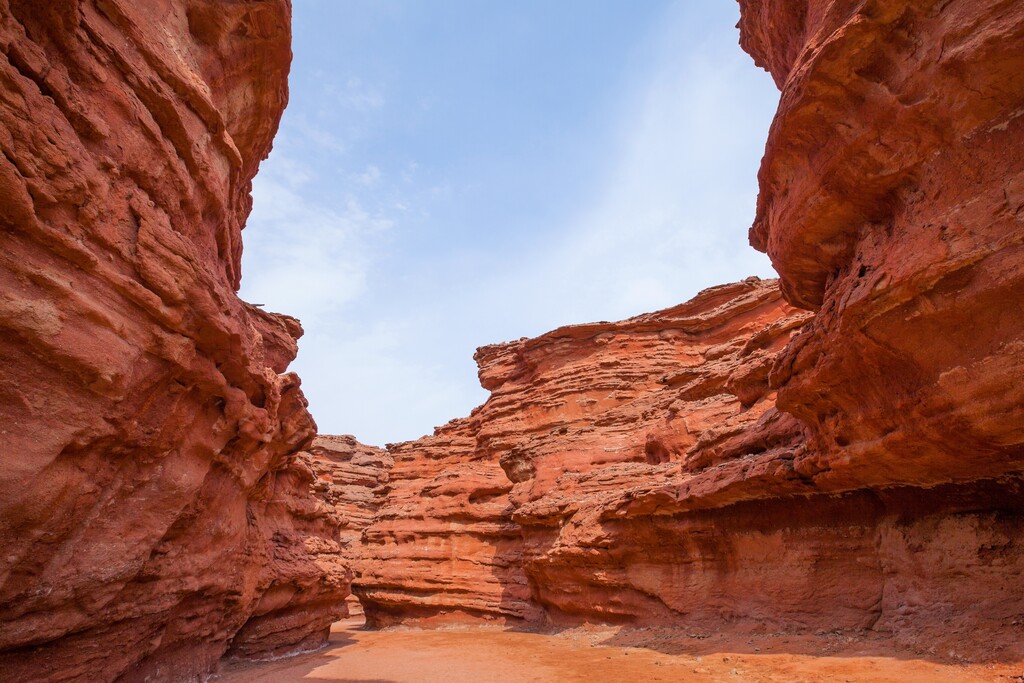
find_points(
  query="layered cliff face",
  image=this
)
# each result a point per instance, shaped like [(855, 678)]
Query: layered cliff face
[(697, 466), (443, 545), (575, 418), (650, 479), (892, 202), (351, 479), (152, 513)]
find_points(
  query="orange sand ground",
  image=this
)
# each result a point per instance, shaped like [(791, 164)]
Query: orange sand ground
[(590, 655)]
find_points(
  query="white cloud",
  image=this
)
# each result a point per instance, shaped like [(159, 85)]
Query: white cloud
[(357, 95), (390, 334), (369, 177), (309, 256)]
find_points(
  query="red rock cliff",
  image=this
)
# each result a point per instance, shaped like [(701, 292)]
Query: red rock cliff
[(697, 466), (152, 513), (575, 417), (892, 201), (352, 480)]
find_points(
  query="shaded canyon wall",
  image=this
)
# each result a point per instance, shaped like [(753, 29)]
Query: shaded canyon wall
[(152, 512), (352, 480)]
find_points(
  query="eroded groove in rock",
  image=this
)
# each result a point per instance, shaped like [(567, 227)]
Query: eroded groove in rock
[(152, 511)]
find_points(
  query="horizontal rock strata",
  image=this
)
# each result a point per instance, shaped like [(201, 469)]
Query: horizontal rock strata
[(575, 416), (351, 480), (443, 545), (152, 512), (698, 465)]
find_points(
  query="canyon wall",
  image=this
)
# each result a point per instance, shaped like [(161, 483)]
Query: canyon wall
[(153, 514), (575, 417), (892, 202), (443, 545), (699, 466), (352, 480)]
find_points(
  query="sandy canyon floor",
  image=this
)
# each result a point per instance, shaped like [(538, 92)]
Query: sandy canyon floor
[(590, 655)]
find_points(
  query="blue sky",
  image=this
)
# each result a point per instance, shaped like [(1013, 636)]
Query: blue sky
[(455, 173)]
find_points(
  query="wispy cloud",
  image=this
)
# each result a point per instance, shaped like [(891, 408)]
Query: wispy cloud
[(390, 259), (356, 95), (311, 253)]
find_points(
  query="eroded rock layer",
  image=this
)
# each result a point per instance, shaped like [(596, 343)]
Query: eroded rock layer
[(575, 417), (152, 512), (651, 479), (699, 466), (443, 544), (892, 202), (352, 481)]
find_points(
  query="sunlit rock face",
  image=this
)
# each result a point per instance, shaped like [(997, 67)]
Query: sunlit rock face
[(492, 517), (152, 512)]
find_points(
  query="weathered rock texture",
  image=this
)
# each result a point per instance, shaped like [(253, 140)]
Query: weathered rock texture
[(696, 465), (152, 512), (575, 417), (443, 545), (352, 482), (892, 201), (649, 478)]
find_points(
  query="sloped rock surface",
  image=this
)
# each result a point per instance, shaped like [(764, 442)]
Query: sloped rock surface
[(152, 512)]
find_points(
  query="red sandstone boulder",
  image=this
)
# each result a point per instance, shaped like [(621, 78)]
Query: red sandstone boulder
[(152, 512)]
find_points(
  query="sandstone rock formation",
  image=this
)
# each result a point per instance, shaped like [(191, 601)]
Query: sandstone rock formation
[(575, 417), (443, 545), (732, 460), (152, 512), (352, 481), (650, 478), (697, 466), (892, 201)]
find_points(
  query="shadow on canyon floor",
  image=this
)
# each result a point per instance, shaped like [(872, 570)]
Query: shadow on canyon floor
[(585, 654), (300, 666)]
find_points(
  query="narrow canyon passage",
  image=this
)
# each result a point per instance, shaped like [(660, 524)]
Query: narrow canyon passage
[(818, 477), (588, 654)]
